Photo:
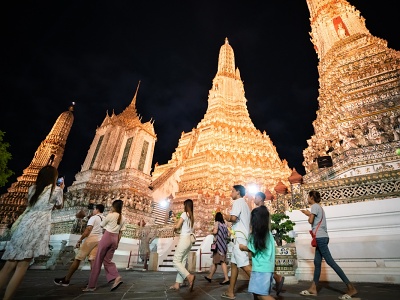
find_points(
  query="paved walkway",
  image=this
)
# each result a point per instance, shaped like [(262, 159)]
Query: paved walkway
[(38, 284)]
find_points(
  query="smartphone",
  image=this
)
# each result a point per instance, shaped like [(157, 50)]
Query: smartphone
[(60, 180)]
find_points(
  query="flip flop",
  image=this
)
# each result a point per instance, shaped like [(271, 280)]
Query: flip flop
[(116, 285), (345, 296), (172, 288), (226, 296), (307, 293), (280, 286)]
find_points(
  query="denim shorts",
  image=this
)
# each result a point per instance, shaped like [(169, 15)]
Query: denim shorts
[(260, 283)]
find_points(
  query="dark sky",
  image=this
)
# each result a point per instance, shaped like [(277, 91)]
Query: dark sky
[(95, 53)]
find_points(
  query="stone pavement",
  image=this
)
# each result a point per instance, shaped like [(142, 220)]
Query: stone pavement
[(38, 284)]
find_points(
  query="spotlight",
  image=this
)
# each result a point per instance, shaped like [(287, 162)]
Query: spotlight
[(163, 203), (252, 188)]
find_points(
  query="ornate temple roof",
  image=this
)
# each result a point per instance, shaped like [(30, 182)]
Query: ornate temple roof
[(224, 149)]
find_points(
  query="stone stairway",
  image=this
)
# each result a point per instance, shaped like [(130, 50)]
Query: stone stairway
[(167, 264), (159, 213)]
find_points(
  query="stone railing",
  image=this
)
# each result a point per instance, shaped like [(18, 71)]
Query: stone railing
[(376, 186), (160, 231)]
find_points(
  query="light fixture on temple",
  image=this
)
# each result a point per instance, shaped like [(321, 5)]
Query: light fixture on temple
[(252, 188)]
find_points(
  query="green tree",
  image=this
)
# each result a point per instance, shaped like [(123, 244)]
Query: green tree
[(5, 156), (281, 226)]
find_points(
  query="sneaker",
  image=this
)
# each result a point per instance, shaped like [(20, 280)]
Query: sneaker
[(61, 281)]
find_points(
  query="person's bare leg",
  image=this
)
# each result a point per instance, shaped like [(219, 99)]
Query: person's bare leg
[(74, 266), (313, 288), (6, 271), (234, 275), (225, 270), (351, 290), (247, 269), (277, 278), (213, 268), (17, 278)]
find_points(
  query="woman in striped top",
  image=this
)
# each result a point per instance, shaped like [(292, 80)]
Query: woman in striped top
[(220, 232)]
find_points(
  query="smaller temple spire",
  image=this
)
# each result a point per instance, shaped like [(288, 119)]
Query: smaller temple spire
[(133, 103)]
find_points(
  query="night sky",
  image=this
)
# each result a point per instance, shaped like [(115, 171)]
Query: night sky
[(95, 52)]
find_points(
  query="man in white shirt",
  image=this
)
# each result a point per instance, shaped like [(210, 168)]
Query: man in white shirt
[(91, 236), (240, 218)]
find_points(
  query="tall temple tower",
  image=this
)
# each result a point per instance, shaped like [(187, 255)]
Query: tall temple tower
[(118, 166), (224, 149), (50, 152), (358, 121)]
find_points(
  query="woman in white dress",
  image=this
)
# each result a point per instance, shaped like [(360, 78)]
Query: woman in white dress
[(31, 233)]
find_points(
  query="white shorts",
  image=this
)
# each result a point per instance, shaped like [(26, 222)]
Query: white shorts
[(240, 258)]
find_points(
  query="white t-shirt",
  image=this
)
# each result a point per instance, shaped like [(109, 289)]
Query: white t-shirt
[(186, 225), (109, 223), (95, 222), (241, 210)]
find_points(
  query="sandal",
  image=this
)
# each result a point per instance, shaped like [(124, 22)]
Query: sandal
[(226, 296), (307, 293), (173, 288), (345, 296), (118, 281)]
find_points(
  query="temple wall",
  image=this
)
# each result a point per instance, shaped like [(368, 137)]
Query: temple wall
[(364, 241)]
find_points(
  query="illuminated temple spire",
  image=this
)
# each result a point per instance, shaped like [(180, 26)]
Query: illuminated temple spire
[(49, 152), (332, 21), (224, 149), (359, 94)]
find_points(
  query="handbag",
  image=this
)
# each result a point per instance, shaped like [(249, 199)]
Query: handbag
[(193, 238), (214, 247), (314, 235)]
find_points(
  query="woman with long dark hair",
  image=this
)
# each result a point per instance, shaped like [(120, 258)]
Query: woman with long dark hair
[(261, 244), (185, 225), (113, 225), (31, 237), (220, 232), (317, 219)]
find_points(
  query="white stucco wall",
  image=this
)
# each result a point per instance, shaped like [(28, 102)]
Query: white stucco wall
[(364, 241)]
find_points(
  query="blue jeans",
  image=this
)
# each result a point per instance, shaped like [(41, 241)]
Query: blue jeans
[(322, 251)]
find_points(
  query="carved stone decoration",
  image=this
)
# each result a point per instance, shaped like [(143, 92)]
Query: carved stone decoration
[(359, 95)]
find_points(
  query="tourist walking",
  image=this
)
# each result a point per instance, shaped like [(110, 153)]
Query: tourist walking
[(240, 218), (261, 244), (220, 232), (31, 231), (317, 219), (87, 244), (259, 200), (113, 225), (185, 226)]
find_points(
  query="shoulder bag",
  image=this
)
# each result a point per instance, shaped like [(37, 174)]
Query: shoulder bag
[(314, 235)]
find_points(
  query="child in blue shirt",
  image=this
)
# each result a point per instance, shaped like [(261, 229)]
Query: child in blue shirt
[(262, 246)]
